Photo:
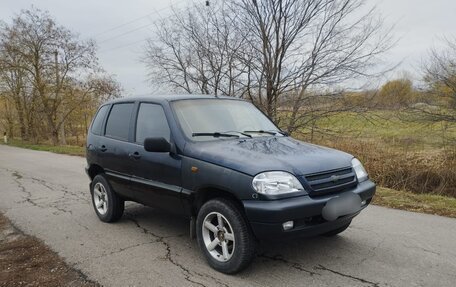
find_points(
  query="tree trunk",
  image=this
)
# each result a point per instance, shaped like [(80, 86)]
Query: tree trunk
[(22, 125), (62, 137), (55, 137)]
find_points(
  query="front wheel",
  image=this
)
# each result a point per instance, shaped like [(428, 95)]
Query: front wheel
[(108, 206), (224, 236)]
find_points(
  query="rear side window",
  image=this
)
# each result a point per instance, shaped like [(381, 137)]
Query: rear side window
[(98, 120), (118, 122), (151, 123)]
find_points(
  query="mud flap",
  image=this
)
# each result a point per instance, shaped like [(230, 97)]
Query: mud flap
[(192, 227)]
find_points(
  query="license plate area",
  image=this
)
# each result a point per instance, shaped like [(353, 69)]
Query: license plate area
[(343, 204)]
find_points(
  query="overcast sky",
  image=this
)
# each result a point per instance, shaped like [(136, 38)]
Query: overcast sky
[(420, 25)]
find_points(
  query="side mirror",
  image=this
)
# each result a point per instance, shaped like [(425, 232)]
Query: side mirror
[(157, 145)]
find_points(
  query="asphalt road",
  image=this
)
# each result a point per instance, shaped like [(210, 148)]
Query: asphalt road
[(47, 195)]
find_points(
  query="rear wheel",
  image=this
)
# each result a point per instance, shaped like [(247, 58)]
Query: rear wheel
[(108, 206), (224, 236), (337, 231)]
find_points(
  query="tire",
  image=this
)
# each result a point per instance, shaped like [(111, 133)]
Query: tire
[(337, 231), (110, 205), (235, 239)]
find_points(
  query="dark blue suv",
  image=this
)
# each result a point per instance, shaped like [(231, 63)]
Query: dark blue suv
[(223, 164)]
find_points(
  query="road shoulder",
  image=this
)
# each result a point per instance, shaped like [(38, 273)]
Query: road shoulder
[(26, 261)]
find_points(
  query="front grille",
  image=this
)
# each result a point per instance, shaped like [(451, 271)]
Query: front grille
[(331, 181)]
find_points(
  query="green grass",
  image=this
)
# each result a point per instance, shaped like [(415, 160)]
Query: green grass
[(388, 127), (424, 203), (67, 149)]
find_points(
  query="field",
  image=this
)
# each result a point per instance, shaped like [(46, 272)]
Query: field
[(388, 127)]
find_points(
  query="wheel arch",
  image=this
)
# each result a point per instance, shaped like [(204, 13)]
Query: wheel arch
[(94, 170), (205, 194)]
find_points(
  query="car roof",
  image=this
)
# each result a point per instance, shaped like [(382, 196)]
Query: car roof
[(167, 98)]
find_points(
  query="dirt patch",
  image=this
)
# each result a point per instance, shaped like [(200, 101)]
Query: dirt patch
[(26, 261)]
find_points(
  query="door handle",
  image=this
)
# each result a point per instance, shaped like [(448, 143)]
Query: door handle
[(135, 155), (103, 148)]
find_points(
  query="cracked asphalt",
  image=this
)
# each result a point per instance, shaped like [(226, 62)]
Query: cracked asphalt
[(47, 195)]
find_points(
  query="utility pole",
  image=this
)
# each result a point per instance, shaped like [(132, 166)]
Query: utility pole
[(61, 121), (56, 63)]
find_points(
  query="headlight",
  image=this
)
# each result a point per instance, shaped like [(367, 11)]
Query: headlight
[(361, 173), (276, 182)]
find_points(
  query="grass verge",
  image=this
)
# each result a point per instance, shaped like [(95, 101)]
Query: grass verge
[(67, 149), (424, 203)]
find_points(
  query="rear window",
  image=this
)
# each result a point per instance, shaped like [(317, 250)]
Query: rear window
[(118, 122), (98, 120)]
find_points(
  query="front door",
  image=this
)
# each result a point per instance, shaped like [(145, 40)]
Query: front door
[(157, 177)]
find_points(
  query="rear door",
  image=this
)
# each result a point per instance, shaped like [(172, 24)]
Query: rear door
[(94, 136), (157, 178), (114, 147)]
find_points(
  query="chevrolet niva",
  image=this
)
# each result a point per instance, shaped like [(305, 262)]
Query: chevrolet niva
[(227, 167)]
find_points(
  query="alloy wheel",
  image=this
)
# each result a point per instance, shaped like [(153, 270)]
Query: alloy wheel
[(218, 236), (100, 198)]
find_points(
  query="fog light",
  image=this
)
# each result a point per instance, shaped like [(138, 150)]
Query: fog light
[(288, 225), (363, 202)]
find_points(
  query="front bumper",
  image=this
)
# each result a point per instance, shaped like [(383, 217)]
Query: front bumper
[(266, 217)]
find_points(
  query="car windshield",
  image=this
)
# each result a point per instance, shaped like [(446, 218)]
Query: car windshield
[(209, 119)]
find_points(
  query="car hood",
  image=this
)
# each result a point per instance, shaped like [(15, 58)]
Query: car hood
[(255, 155)]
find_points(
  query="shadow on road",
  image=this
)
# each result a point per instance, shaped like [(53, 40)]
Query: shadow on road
[(303, 257)]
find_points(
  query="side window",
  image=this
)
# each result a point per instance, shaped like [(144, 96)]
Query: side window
[(98, 120), (118, 122), (151, 123)]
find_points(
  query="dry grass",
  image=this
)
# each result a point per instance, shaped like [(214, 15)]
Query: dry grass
[(67, 149), (425, 203), (399, 154), (424, 172)]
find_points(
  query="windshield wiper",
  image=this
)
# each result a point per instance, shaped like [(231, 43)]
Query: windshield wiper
[(215, 135), (270, 132), (241, 133), (262, 132), (283, 133), (222, 134)]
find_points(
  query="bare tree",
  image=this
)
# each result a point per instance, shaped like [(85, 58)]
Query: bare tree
[(8, 118), (12, 80), (285, 53), (51, 65), (308, 48), (440, 77), (48, 73), (196, 50)]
